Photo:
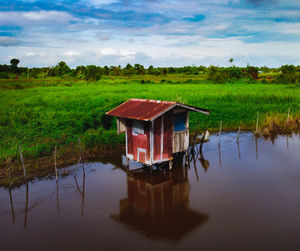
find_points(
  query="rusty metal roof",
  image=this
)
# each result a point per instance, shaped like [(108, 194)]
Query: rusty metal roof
[(147, 109)]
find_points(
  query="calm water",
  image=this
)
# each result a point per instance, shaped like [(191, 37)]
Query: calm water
[(245, 197)]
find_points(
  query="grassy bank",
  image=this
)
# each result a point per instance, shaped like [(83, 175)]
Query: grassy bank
[(40, 114)]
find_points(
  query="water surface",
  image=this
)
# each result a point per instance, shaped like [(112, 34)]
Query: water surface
[(235, 196)]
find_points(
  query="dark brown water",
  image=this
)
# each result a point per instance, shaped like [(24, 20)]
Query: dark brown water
[(238, 198)]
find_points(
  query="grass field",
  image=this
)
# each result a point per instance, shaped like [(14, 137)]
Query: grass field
[(40, 114)]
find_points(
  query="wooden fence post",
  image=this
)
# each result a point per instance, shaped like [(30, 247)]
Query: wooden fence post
[(220, 132), (23, 165), (257, 122), (238, 137), (55, 167)]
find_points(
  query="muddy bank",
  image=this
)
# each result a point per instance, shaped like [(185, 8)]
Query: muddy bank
[(44, 166)]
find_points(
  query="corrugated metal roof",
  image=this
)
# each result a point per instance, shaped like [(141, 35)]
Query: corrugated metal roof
[(147, 109)]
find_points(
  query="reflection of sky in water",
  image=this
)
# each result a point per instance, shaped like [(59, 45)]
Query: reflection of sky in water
[(244, 198)]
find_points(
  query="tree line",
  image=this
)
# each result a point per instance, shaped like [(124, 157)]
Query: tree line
[(285, 73)]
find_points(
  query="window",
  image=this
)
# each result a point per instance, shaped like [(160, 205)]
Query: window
[(179, 122), (137, 127)]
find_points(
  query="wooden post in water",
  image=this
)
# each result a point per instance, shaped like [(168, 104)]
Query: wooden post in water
[(256, 131), (220, 161), (238, 145), (256, 148), (288, 116), (220, 132), (238, 137), (55, 167), (23, 165)]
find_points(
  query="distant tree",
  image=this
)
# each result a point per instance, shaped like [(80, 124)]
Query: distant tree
[(14, 65), (230, 60), (128, 70), (61, 69), (106, 70), (252, 72), (81, 71), (288, 69), (150, 70), (116, 70), (93, 72), (139, 69), (171, 70), (14, 62)]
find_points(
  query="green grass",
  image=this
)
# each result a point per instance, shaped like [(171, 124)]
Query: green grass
[(40, 114)]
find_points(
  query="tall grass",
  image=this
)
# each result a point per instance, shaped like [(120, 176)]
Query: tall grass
[(58, 113)]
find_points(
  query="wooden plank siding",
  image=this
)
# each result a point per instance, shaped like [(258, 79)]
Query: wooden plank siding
[(156, 141), (138, 145)]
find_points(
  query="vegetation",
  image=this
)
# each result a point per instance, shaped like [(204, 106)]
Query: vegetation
[(44, 107)]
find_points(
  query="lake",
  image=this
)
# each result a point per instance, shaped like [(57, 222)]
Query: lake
[(242, 196)]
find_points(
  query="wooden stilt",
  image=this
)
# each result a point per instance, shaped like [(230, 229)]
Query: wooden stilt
[(127, 164), (186, 156), (170, 164)]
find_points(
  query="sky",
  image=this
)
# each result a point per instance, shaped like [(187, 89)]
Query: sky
[(150, 32)]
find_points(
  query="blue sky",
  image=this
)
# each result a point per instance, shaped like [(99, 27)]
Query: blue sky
[(157, 32)]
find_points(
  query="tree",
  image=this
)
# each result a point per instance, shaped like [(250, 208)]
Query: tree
[(252, 72), (14, 65), (288, 69), (61, 69), (14, 62), (230, 60)]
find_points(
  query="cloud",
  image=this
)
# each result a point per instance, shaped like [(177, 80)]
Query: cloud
[(158, 32), (9, 41), (36, 18), (71, 53)]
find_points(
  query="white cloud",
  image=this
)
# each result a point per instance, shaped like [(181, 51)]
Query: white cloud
[(99, 3), (71, 53), (30, 54), (108, 51), (22, 18)]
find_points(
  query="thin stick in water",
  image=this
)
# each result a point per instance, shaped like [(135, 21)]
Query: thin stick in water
[(55, 167), (238, 137), (23, 165), (257, 122), (220, 131)]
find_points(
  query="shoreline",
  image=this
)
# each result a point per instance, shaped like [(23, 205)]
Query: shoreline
[(44, 166)]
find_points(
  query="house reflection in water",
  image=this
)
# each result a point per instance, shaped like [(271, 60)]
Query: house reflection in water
[(158, 204)]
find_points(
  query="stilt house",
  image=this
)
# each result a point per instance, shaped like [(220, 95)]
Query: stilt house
[(154, 129)]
